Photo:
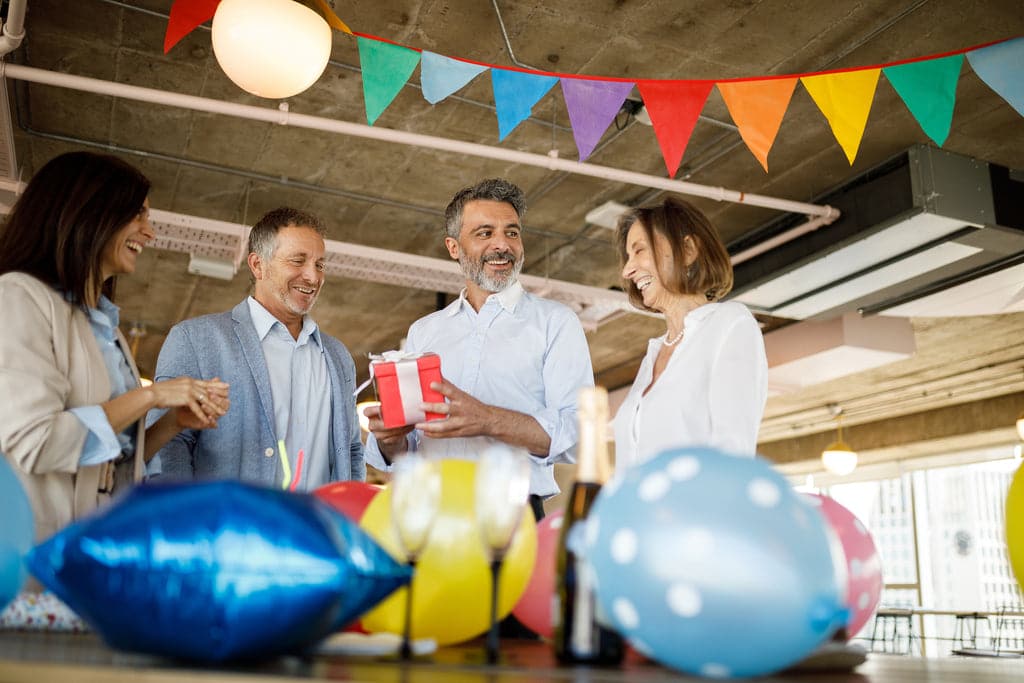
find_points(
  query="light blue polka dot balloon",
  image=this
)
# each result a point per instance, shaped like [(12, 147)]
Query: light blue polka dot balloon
[(15, 533), (711, 564)]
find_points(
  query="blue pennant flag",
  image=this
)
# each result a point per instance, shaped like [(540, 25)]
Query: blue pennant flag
[(441, 76), (999, 66), (515, 93)]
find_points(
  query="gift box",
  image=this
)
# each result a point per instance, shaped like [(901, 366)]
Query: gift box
[(403, 383)]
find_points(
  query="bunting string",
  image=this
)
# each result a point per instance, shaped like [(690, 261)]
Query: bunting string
[(757, 104)]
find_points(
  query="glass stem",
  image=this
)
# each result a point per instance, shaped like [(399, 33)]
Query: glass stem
[(492, 635), (406, 652)]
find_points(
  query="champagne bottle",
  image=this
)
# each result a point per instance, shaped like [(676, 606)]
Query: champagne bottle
[(579, 637)]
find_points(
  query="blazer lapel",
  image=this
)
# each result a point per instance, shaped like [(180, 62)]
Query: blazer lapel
[(139, 469), (253, 352)]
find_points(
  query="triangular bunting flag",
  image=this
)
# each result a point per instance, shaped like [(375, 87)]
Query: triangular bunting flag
[(674, 107), (185, 17), (331, 18), (928, 89), (515, 93), (999, 66), (592, 105), (757, 108), (440, 76), (386, 68), (845, 99)]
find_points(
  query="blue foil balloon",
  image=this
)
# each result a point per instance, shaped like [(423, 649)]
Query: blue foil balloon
[(216, 571), (15, 533), (712, 565)]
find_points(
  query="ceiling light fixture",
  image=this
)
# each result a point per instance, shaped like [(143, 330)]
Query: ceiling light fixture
[(838, 458), (606, 215), (270, 48)]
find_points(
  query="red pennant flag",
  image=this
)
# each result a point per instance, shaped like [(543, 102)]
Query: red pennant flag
[(674, 107), (186, 15)]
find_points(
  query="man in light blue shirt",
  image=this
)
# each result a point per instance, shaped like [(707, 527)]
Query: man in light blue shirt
[(512, 362), (290, 382)]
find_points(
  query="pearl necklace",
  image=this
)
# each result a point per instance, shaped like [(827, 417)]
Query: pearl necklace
[(674, 340)]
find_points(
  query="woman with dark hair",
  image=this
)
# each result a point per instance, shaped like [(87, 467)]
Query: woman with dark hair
[(704, 383), (73, 424)]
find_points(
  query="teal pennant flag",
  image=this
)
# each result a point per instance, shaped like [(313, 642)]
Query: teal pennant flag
[(515, 93), (999, 66), (386, 68), (928, 89), (441, 76)]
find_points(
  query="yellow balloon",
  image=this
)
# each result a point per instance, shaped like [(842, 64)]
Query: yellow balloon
[(451, 589), (1015, 525)]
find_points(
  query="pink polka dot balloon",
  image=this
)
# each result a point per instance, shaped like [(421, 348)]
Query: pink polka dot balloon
[(864, 567)]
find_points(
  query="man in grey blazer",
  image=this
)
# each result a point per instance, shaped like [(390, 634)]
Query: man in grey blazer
[(291, 384)]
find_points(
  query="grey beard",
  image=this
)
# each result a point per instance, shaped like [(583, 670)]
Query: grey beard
[(474, 271)]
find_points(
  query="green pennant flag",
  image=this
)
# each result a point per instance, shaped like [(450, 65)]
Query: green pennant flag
[(386, 68), (928, 89)]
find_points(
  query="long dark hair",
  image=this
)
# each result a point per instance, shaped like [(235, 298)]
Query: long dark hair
[(70, 210)]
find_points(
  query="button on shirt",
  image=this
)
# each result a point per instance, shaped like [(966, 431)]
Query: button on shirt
[(711, 393), (300, 389), (520, 352), (102, 445)]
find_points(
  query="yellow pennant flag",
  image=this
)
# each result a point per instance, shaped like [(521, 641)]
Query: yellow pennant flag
[(757, 108), (845, 100)]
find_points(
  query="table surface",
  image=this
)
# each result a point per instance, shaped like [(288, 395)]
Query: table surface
[(38, 657)]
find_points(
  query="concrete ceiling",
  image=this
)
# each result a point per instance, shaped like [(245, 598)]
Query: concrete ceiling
[(390, 196)]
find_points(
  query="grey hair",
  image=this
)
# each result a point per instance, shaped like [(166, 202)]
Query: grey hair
[(492, 189), (263, 237)]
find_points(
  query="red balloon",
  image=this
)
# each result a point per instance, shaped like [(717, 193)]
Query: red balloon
[(534, 607), (350, 498)]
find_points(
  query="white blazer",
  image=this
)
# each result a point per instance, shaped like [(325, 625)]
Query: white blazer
[(50, 362)]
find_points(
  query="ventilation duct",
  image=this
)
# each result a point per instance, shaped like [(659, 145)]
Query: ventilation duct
[(922, 222)]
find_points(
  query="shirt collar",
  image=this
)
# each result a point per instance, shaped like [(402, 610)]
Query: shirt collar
[(106, 312), (508, 298), (691, 322), (263, 320)]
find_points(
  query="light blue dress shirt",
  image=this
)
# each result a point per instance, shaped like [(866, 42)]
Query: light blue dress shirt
[(102, 445), (520, 352), (300, 389)]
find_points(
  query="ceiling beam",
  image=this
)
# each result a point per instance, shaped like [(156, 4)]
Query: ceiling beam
[(983, 423)]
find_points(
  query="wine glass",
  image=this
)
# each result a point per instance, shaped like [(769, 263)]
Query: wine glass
[(502, 488), (415, 501)]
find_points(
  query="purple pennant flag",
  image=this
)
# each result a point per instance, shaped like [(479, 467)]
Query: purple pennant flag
[(592, 106)]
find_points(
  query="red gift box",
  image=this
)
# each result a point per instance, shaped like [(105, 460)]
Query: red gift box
[(402, 385)]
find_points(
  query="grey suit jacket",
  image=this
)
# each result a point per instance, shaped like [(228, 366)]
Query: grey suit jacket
[(244, 444)]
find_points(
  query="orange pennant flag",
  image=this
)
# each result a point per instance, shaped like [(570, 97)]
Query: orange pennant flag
[(757, 108), (845, 99), (332, 19)]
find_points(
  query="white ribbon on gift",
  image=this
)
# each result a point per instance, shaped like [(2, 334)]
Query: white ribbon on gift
[(409, 387)]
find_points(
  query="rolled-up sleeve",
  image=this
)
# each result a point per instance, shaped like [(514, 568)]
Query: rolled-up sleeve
[(567, 369), (101, 445)]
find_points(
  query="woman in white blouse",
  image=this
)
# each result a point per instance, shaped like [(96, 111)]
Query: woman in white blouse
[(704, 382)]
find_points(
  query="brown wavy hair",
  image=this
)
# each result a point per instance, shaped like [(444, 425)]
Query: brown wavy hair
[(675, 220)]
